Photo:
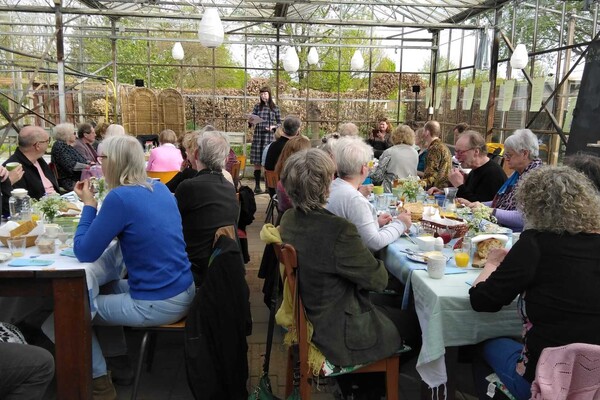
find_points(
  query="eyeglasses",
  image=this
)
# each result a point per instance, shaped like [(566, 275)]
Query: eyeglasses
[(460, 152), (508, 156), (100, 159), (44, 141)]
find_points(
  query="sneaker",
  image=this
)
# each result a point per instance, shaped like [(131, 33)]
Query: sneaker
[(103, 389), (121, 369), (257, 190)]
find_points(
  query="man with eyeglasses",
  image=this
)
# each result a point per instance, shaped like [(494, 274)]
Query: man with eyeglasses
[(486, 176), (37, 178)]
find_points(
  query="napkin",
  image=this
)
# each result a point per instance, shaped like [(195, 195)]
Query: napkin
[(30, 262)]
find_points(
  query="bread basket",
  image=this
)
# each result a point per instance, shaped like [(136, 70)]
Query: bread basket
[(458, 230), (29, 242)]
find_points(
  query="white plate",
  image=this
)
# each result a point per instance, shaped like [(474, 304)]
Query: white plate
[(421, 259)]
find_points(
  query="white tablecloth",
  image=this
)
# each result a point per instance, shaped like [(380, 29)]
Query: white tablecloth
[(447, 320), (107, 268)]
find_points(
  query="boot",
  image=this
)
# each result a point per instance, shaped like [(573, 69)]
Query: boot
[(103, 389), (257, 189), (121, 369)]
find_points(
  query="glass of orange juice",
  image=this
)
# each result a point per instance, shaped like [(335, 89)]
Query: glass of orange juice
[(461, 257)]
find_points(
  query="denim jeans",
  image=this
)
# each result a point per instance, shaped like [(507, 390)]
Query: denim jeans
[(119, 309), (501, 355), (25, 371), (112, 305)]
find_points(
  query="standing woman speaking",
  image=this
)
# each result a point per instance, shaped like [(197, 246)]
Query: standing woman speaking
[(263, 131)]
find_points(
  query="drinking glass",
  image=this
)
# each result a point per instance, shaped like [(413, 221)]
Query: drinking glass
[(445, 234)]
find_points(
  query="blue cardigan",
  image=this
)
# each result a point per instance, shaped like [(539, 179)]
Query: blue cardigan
[(148, 226)]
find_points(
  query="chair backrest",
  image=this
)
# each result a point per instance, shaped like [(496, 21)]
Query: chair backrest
[(53, 168), (271, 179), (235, 173), (164, 176), (286, 254)]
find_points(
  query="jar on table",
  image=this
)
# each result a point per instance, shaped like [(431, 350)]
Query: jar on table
[(19, 205)]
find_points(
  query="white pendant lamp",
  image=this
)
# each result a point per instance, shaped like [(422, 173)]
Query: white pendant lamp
[(357, 61), (210, 30), (519, 57), (291, 63), (177, 51), (313, 56)]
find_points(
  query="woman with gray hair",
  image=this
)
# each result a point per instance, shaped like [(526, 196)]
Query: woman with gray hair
[(553, 268), (139, 214), (521, 151), (68, 161), (207, 201), (337, 271), (352, 156)]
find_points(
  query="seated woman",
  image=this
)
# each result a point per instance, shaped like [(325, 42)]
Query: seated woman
[(379, 139), (144, 218), (553, 268), (165, 157), (293, 145), (65, 157), (337, 271), (399, 161), (521, 151), (352, 156), (422, 151)]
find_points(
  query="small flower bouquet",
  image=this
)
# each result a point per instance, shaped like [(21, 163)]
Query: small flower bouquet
[(49, 206), (410, 188), (99, 188), (479, 220)]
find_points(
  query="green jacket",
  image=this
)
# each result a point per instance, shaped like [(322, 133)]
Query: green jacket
[(336, 273)]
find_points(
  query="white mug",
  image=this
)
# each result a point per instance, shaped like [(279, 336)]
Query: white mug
[(436, 266)]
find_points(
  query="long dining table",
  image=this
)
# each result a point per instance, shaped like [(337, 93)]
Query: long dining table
[(73, 286), (444, 311)]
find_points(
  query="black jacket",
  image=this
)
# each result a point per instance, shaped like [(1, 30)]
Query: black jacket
[(216, 328)]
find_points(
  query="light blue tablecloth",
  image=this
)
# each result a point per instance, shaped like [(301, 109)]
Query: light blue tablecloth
[(402, 268)]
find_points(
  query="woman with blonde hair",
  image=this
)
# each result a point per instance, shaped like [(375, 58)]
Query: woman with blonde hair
[(399, 161), (138, 213), (553, 269), (167, 156)]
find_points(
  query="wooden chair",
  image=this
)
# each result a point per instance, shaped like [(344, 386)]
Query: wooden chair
[(235, 173), (164, 176), (286, 254), (148, 345), (271, 179)]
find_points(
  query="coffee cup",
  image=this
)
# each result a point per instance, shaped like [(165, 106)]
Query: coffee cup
[(436, 266), (12, 165)]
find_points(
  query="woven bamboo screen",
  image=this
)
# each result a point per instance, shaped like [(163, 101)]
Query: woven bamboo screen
[(140, 112), (172, 111)]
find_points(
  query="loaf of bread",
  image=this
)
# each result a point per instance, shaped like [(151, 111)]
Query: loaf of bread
[(23, 229), (485, 246), (415, 210)]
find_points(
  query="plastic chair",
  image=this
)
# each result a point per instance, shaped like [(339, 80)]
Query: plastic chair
[(286, 254), (271, 179), (242, 160), (164, 176)]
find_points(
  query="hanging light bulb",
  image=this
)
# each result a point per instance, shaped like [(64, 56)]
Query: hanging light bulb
[(313, 56), (177, 51), (291, 63), (210, 30), (357, 61), (519, 57)]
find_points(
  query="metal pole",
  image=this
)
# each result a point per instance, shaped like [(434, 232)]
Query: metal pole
[(433, 67), (60, 63), (214, 89), (491, 106)]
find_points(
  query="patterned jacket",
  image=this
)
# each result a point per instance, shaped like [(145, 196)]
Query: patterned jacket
[(437, 164)]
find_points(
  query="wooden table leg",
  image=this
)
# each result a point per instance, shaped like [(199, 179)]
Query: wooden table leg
[(72, 330)]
